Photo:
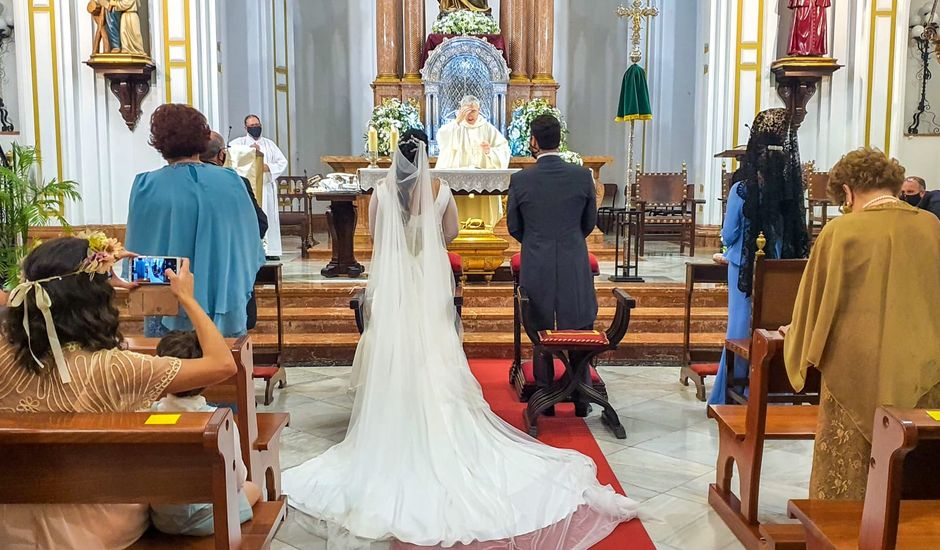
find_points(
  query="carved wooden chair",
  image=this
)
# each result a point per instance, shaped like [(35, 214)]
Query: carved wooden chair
[(576, 349), (522, 374), (726, 184), (818, 202), (743, 429), (268, 365), (295, 210), (669, 208), (902, 499), (605, 213), (699, 362), (776, 284)]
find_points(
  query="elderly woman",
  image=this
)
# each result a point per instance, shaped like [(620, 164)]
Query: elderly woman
[(78, 366), (866, 318), (198, 211)]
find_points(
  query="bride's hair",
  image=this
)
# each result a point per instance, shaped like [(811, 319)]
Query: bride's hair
[(409, 142)]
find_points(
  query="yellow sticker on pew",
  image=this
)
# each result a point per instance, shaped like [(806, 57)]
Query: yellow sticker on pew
[(163, 419), (934, 414)]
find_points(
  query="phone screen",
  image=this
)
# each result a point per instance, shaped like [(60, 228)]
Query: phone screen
[(152, 269)]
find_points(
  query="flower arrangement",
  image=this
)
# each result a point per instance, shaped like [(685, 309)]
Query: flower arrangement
[(523, 115), (465, 23), (392, 113), (103, 253)]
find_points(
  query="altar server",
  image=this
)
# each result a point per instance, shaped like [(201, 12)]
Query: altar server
[(275, 164)]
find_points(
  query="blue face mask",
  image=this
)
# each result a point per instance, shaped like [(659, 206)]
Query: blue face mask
[(254, 131), (912, 200)]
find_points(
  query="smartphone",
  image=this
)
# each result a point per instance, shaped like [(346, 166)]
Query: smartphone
[(152, 269)]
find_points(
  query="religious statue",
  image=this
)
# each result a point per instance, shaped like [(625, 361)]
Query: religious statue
[(118, 24), (810, 36), (480, 6)]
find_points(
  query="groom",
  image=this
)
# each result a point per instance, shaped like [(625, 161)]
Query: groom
[(552, 210)]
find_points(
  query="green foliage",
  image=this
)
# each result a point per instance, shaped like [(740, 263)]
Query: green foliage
[(27, 202)]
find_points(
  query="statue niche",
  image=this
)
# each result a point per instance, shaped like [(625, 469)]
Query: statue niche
[(463, 66)]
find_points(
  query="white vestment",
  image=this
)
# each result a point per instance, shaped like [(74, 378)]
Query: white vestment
[(461, 146), (277, 162)]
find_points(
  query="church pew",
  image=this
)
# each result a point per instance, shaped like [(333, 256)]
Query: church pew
[(902, 500), (260, 432), (742, 430), (776, 284), (118, 458)]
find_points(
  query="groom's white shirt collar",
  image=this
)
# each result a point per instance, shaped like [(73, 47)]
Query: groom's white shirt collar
[(552, 154)]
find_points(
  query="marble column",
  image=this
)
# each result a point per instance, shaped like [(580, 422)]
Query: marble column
[(388, 17), (543, 82), (516, 24), (412, 87)]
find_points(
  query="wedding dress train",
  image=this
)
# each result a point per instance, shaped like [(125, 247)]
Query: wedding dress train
[(425, 461)]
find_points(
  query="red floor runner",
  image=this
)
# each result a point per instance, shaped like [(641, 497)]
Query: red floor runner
[(565, 431)]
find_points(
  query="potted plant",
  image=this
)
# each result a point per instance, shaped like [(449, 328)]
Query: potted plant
[(25, 202)]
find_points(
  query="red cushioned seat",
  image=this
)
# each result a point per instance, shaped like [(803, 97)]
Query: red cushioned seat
[(529, 374), (573, 338), (456, 263), (705, 369), (264, 372), (516, 263)]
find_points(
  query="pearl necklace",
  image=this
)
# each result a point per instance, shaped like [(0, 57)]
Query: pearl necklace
[(880, 199)]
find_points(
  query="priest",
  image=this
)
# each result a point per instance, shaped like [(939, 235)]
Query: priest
[(275, 164), (470, 142)]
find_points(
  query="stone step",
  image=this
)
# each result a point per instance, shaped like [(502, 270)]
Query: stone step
[(339, 348)]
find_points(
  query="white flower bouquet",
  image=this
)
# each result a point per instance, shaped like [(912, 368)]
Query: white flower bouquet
[(522, 117), (392, 113), (465, 23)]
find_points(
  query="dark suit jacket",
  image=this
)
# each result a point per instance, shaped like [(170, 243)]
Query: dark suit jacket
[(262, 217), (931, 201), (552, 210)]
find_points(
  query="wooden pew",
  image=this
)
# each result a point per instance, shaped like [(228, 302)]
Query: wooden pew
[(260, 432), (776, 284), (699, 362), (117, 458), (902, 500), (742, 430)]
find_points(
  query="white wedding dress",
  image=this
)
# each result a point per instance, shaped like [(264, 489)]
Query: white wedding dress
[(425, 461)]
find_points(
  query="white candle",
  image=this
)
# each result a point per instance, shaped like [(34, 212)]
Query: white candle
[(373, 140)]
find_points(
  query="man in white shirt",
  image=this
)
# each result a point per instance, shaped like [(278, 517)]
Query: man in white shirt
[(275, 164)]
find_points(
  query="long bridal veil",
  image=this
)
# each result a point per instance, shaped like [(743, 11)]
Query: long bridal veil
[(425, 462)]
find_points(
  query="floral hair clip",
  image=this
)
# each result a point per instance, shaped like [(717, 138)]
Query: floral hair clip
[(103, 253)]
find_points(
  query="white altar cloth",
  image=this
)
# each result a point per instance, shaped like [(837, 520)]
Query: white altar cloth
[(460, 181)]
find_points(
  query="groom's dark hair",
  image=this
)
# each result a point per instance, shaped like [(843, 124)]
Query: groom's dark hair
[(547, 132), (408, 145)]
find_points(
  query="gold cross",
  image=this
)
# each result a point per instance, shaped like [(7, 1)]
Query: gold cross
[(637, 13)]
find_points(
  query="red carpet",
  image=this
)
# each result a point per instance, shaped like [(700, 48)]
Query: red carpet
[(565, 430)]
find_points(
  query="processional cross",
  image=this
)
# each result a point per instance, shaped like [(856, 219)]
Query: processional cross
[(637, 13)]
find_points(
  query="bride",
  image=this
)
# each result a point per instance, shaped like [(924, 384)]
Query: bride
[(425, 461)]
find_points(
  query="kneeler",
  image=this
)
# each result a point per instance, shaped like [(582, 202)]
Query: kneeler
[(522, 374), (268, 365), (575, 349), (456, 265)]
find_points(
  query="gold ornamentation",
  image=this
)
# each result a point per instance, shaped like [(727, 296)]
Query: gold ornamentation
[(761, 243), (636, 12)]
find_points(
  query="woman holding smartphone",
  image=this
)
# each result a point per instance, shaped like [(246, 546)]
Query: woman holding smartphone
[(189, 209), (70, 361)]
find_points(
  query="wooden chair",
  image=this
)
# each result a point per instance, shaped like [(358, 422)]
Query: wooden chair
[(295, 209), (742, 430), (576, 349), (118, 458), (260, 432), (456, 264), (699, 362), (669, 208), (773, 295), (605, 214), (268, 365), (818, 202), (522, 374), (726, 184), (902, 500)]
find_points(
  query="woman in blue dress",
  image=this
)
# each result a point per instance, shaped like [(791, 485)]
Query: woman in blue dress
[(767, 197), (198, 211)]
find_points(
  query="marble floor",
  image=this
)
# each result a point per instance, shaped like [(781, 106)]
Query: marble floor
[(661, 264), (666, 462)]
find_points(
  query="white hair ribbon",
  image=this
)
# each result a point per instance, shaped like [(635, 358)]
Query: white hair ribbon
[(44, 303)]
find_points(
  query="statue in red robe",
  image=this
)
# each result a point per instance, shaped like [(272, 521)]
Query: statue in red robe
[(810, 35)]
